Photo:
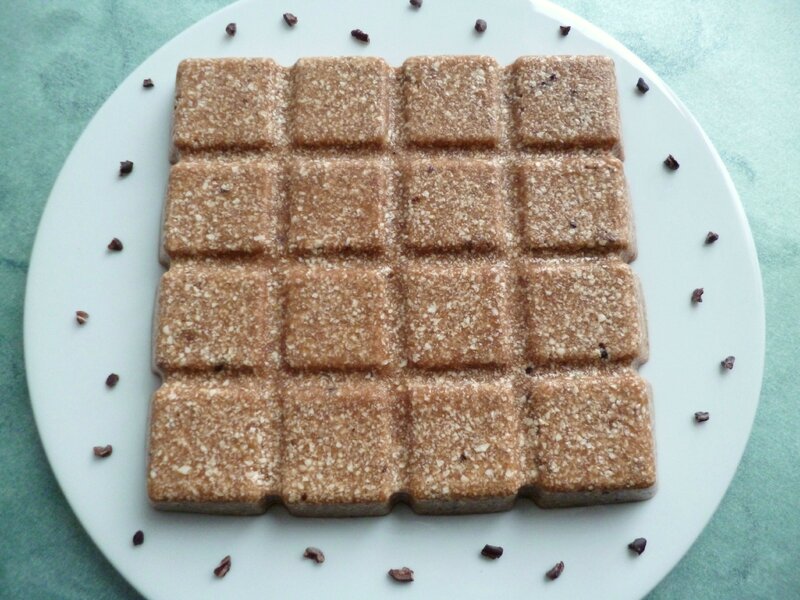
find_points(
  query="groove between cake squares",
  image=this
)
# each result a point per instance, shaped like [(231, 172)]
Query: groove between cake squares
[(398, 284)]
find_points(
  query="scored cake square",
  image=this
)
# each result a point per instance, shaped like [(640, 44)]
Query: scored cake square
[(213, 317), (451, 100), (464, 447), (583, 313), (457, 316), (216, 209), (594, 438), (340, 102), (453, 205), (214, 447), (566, 101), (228, 103), (572, 204), (337, 318), (338, 449), (337, 206)]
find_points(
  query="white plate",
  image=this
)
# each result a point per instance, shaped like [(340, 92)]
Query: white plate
[(67, 365)]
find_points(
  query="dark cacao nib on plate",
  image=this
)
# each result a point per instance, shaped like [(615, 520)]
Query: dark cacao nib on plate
[(223, 567), (638, 545), (556, 571), (403, 575), (360, 35), (102, 451), (671, 163), (314, 554), (493, 552)]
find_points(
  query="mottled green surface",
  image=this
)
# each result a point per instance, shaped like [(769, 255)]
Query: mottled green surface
[(736, 65)]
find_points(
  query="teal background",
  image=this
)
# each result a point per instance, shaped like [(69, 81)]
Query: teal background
[(734, 63)]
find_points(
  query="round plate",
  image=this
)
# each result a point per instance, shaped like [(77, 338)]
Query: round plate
[(67, 364)]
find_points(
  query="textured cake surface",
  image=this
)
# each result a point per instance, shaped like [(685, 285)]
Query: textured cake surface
[(398, 284)]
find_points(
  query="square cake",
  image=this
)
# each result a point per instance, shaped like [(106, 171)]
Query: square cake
[(398, 285)]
